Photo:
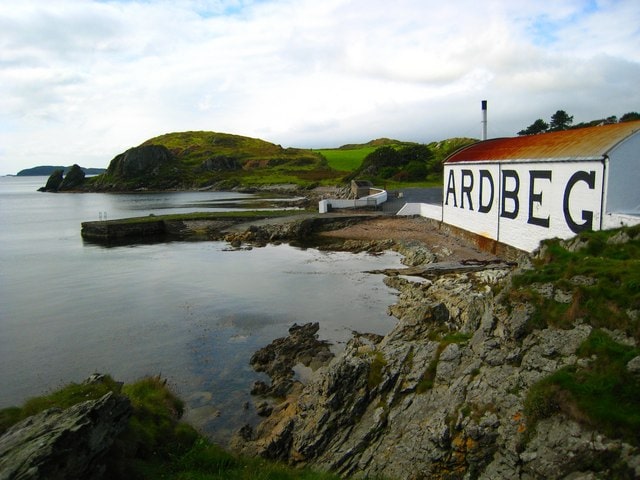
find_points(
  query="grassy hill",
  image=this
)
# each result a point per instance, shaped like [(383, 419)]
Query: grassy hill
[(350, 159), (197, 159)]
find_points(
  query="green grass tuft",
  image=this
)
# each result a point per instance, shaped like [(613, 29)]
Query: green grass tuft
[(65, 397)]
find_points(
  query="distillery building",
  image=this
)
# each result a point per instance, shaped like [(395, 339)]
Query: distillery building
[(522, 190)]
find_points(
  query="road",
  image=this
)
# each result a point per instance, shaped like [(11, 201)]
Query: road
[(395, 201)]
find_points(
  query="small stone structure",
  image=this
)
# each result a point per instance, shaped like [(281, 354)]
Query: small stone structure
[(360, 188)]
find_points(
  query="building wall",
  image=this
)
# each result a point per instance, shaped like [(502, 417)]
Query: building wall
[(623, 193), (522, 203)]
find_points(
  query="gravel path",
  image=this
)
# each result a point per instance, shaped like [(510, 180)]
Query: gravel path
[(403, 229)]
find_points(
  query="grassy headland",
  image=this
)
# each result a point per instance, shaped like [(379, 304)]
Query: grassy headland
[(200, 159), (186, 160)]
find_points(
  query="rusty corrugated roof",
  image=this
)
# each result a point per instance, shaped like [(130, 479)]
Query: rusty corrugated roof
[(581, 143)]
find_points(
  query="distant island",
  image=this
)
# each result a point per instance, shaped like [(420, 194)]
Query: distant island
[(45, 170)]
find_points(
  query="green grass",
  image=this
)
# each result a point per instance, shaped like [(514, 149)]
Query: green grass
[(346, 159), (604, 395), (205, 461)]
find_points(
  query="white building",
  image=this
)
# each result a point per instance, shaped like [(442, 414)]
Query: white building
[(522, 190)]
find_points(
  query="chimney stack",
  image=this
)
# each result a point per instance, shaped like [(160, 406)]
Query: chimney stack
[(484, 119)]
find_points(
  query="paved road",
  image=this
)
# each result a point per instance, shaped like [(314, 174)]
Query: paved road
[(395, 202)]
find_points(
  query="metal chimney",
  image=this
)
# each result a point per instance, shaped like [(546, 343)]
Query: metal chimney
[(484, 119)]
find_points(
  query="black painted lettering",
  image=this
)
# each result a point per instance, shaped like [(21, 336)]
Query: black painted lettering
[(587, 216), (451, 188), (485, 175), (510, 194), (536, 197), (465, 189)]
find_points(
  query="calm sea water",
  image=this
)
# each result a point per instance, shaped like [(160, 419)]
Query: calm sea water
[(189, 311)]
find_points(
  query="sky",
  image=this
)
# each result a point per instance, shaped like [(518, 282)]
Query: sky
[(84, 80)]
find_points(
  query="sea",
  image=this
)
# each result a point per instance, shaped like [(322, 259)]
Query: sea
[(191, 312)]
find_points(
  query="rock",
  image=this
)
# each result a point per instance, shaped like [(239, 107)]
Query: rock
[(53, 182), (220, 163), (633, 366), (145, 160), (415, 254), (264, 409), (64, 444), (279, 357), (73, 179), (260, 388)]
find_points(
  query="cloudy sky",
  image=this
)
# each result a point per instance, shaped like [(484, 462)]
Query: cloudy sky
[(83, 80)]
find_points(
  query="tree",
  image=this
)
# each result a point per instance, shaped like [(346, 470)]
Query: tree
[(630, 117), (560, 120), (539, 126)]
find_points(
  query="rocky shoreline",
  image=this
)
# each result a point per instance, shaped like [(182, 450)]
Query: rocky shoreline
[(441, 396)]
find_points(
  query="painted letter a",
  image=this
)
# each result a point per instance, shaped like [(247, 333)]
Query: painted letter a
[(451, 189)]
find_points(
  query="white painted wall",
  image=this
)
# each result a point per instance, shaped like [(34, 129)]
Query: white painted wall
[(471, 197), (374, 200), (617, 220), (426, 210), (522, 203)]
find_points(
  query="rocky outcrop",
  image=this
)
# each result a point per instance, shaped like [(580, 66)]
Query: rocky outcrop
[(220, 163), (442, 396), (64, 444), (73, 179), (53, 182), (279, 358), (58, 182), (145, 160)]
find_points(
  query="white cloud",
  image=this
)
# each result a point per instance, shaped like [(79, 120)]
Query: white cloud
[(82, 80)]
